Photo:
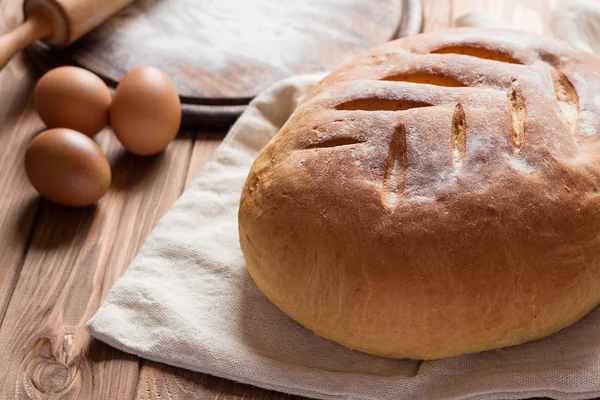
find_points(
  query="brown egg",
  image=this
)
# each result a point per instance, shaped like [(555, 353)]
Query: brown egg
[(146, 112), (74, 98), (67, 167)]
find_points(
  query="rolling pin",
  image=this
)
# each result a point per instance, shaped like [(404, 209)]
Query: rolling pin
[(58, 23)]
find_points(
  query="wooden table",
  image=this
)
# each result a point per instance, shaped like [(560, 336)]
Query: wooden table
[(58, 263)]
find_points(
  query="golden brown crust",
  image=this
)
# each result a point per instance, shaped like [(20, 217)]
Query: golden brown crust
[(436, 196)]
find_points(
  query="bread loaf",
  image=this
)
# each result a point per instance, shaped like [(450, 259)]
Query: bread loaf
[(438, 195)]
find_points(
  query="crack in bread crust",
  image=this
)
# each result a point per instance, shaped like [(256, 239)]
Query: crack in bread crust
[(458, 137), (394, 178), (567, 98), (518, 115), (479, 52)]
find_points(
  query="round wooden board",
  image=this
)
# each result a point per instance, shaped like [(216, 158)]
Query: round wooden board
[(222, 53)]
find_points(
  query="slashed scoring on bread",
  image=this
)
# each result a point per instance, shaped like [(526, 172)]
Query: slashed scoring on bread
[(436, 196)]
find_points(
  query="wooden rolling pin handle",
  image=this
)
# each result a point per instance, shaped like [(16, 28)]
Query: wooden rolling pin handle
[(35, 27)]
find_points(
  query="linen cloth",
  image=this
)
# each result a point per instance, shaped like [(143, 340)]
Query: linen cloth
[(188, 301)]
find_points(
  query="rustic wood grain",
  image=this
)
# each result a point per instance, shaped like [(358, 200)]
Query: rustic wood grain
[(18, 202), (220, 54), (204, 147), (151, 186), (71, 263), (158, 382)]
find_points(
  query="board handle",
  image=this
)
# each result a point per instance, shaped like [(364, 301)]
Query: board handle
[(34, 28)]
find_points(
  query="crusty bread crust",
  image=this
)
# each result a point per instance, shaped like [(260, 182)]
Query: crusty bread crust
[(437, 195)]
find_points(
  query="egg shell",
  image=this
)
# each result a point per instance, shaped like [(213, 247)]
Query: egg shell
[(146, 111), (67, 167), (74, 98)]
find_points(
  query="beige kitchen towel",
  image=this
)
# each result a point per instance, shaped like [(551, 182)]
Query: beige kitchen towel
[(188, 301)]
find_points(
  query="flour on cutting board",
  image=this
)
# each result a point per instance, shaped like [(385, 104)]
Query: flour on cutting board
[(260, 31)]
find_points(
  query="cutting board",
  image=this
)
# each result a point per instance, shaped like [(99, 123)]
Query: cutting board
[(222, 53)]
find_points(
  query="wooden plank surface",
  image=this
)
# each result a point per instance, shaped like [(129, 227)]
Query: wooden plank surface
[(72, 261), (58, 263), (18, 201)]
